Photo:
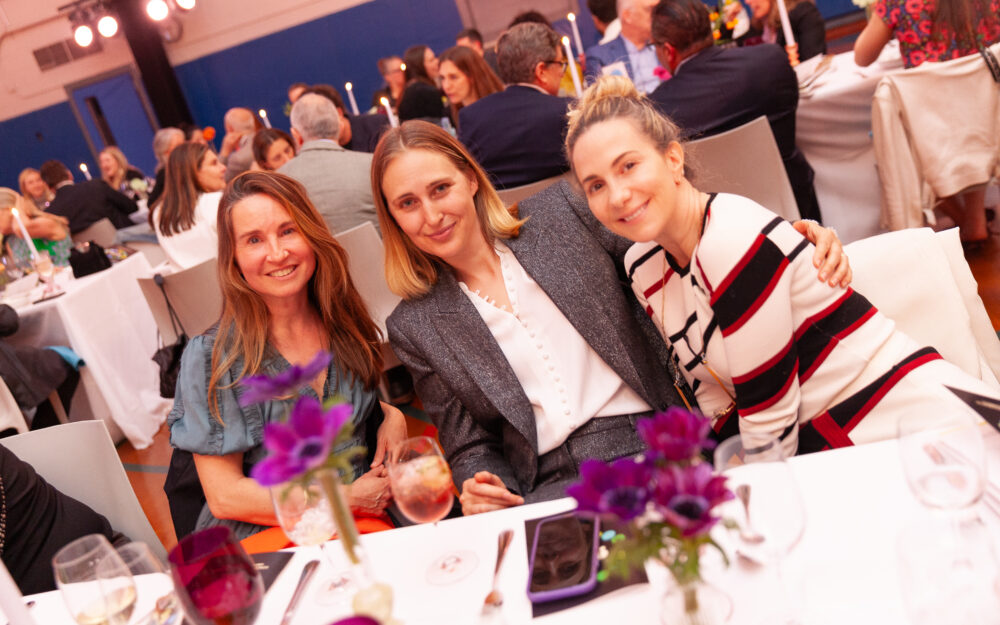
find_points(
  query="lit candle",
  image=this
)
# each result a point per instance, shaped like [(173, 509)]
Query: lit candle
[(86, 172), (263, 116), (576, 33), (572, 67), (786, 26), (350, 96), (388, 110), (12, 601), (24, 233)]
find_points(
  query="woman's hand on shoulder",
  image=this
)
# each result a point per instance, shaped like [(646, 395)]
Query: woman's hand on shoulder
[(829, 256), (390, 433), (485, 492), (370, 494)]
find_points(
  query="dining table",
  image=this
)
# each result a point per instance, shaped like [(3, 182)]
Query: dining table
[(865, 537), (104, 318)]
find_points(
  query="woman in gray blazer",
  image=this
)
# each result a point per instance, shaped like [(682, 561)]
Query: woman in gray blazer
[(514, 422)]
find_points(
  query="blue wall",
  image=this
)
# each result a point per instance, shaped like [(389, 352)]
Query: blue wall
[(32, 139)]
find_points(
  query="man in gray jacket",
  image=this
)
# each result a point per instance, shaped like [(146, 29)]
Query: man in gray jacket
[(337, 180)]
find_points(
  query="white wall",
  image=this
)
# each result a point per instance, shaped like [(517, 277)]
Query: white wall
[(212, 26)]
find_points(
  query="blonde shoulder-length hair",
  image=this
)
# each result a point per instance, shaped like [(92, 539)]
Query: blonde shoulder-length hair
[(354, 338), (409, 271)]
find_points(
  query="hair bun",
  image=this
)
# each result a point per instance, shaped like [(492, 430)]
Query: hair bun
[(607, 87)]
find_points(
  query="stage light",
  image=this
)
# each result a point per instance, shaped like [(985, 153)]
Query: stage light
[(157, 10), (83, 35), (185, 5), (107, 26)]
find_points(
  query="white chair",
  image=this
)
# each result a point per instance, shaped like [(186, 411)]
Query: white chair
[(80, 460), (195, 295), (10, 413), (101, 232), (921, 281), (516, 194), (745, 161)]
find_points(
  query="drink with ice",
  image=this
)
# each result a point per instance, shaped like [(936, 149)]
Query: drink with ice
[(422, 488)]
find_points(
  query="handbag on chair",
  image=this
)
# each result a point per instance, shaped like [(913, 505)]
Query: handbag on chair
[(168, 357)]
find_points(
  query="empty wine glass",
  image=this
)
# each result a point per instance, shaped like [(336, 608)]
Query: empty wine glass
[(154, 580), (770, 508), (96, 586), (943, 458), (306, 516), (215, 579), (45, 270), (422, 488)]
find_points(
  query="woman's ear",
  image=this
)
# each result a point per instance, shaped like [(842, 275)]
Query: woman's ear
[(473, 182), (674, 156)]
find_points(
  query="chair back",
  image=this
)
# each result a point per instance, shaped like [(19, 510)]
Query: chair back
[(80, 460), (366, 263), (101, 232), (10, 413), (745, 161), (516, 194), (195, 295)]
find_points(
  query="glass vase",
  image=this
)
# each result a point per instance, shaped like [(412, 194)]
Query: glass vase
[(373, 598), (695, 602)]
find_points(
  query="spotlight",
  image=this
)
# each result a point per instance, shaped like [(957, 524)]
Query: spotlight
[(185, 5), (157, 10), (107, 26), (83, 35)]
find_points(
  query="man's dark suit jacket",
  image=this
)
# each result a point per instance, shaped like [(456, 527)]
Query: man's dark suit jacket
[(719, 89), (366, 130), (516, 135), (88, 202)]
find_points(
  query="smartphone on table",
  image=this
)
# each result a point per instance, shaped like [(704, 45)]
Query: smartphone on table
[(563, 561)]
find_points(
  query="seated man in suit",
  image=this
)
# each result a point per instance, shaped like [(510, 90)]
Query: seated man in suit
[(516, 134), (359, 133), (630, 53), (85, 203), (715, 89)]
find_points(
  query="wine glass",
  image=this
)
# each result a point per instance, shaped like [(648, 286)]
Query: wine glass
[(306, 516), (140, 560), (96, 586), (45, 270), (216, 581), (768, 503), (422, 488)]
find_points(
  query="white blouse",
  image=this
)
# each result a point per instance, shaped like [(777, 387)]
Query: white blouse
[(198, 243), (565, 380)]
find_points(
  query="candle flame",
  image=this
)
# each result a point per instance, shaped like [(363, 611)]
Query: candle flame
[(384, 101), (565, 41), (349, 86), (402, 67), (14, 212), (262, 113), (571, 17), (83, 167)]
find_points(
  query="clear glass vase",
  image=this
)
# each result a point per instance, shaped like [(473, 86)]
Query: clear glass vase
[(695, 603), (373, 598)]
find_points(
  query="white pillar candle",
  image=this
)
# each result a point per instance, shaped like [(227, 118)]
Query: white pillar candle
[(12, 601), (24, 233), (388, 111), (263, 116), (572, 68), (86, 172), (350, 96), (786, 26), (576, 33)]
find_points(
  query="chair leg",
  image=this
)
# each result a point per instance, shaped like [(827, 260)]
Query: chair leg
[(57, 407)]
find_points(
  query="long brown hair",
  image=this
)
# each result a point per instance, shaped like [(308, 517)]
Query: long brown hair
[(243, 327), (174, 210), (409, 271), (115, 181), (959, 16), (482, 79)]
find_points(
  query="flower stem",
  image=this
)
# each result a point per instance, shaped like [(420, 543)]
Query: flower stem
[(346, 529)]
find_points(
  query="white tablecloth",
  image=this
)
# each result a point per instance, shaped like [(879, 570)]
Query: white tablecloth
[(833, 130), (106, 320), (847, 563)]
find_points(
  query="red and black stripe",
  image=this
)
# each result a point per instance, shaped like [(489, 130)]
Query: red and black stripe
[(748, 285), (761, 388), (818, 335)]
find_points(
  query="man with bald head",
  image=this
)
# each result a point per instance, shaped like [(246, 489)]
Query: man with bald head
[(237, 145), (336, 180), (631, 53)]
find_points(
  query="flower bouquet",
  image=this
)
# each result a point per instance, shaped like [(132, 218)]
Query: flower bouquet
[(667, 497), (314, 445), (723, 24)]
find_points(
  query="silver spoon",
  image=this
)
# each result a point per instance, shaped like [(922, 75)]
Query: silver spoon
[(494, 599), (747, 532)]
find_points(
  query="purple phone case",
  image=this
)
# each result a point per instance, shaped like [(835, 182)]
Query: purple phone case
[(585, 586)]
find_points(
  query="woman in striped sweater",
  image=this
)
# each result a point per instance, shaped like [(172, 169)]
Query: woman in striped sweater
[(730, 285)]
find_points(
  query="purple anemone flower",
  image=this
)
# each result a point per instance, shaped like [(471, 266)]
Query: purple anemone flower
[(621, 488), (261, 388), (301, 444), (676, 435), (685, 496)]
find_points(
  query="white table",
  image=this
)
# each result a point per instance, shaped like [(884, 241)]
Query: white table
[(106, 320), (833, 130), (856, 503)]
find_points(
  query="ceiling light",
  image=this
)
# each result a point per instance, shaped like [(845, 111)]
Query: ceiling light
[(107, 26), (83, 35), (157, 10)]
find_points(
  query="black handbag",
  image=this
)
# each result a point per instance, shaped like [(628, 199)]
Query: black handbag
[(168, 357), (88, 258)]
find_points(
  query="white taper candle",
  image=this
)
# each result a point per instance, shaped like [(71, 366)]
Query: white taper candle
[(350, 96), (576, 33), (572, 68), (24, 233), (388, 111)]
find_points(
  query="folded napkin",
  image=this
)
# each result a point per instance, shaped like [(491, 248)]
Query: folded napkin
[(72, 358)]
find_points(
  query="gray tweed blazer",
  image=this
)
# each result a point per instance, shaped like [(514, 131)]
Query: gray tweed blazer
[(484, 419)]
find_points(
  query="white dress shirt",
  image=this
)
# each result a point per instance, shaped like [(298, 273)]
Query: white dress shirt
[(565, 380), (198, 243)]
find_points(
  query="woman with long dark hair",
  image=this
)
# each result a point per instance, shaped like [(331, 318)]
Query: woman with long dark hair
[(466, 77), (272, 148), (421, 98)]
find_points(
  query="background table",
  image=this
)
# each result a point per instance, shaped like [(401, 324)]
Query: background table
[(106, 320)]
